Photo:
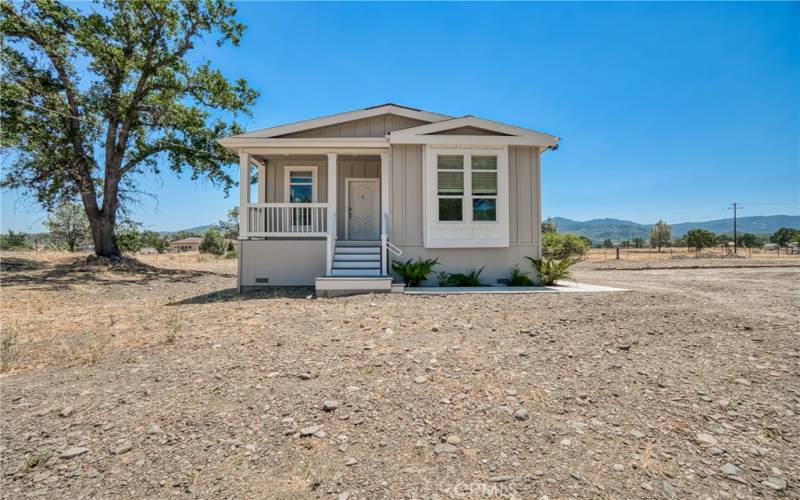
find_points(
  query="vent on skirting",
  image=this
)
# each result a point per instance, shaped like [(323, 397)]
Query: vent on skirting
[(262, 280)]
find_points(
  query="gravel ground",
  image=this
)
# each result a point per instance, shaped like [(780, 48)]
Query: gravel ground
[(147, 382)]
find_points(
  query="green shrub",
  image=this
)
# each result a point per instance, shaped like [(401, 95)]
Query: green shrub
[(413, 271), (561, 245), (471, 278), (213, 242), (519, 278), (551, 270), (230, 254)]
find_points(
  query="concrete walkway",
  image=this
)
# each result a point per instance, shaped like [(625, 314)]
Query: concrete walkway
[(560, 287)]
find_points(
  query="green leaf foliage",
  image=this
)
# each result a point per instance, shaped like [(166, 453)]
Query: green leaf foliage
[(68, 225), (93, 98), (470, 278), (551, 270), (13, 240), (700, 239), (784, 236), (560, 245), (519, 278), (213, 242), (414, 272)]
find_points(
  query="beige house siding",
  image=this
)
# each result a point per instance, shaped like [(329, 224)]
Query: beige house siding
[(405, 195), (284, 262), (276, 169), (406, 217), (377, 126)]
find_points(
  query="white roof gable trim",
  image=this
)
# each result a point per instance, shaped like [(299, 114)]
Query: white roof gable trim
[(516, 136), (336, 119)]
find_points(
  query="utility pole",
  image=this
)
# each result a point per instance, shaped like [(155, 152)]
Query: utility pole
[(734, 208)]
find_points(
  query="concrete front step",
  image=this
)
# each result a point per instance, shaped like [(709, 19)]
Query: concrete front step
[(346, 250), (362, 257), (331, 286), (351, 264), (358, 243), (356, 272)]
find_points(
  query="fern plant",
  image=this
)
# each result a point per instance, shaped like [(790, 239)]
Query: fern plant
[(414, 272), (552, 270), (471, 278), (519, 278)]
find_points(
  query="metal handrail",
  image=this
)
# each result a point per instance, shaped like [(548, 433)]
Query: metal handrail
[(393, 248)]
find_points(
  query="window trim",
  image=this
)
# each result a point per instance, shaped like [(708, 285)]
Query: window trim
[(287, 178), (466, 233)]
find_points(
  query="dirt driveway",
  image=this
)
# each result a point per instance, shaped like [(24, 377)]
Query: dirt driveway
[(154, 382)]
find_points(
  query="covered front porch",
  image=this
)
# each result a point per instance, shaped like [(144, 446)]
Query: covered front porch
[(336, 196)]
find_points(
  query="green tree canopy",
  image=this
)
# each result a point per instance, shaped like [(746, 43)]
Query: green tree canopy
[(155, 240), (549, 225), (128, 237), (93, 99), (13, 240), (230, 226), (68, 224), (213, 242), (660, 235), (607, 243), (700, 239), (784, 236), (746, 240)]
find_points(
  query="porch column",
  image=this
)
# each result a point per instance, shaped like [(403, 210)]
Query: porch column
[(385, 193), (262, 180), (384, 212), (332, 183), (244, 194)]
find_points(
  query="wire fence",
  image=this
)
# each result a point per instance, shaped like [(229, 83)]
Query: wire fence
[(668, 253)]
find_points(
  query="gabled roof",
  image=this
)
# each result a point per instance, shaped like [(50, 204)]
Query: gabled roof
[(438, 129), (432, 133), (358, 114)]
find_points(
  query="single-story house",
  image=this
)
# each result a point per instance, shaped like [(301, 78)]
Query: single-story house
[(191, 244), (340, 197)]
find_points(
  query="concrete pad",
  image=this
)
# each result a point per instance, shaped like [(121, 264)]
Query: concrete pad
[(560, 287)]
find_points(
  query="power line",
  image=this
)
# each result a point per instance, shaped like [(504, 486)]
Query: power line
[(93, 122)]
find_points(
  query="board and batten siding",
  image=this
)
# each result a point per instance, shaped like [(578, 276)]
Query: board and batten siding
[(406, 215), (276, 178), (377, 126)]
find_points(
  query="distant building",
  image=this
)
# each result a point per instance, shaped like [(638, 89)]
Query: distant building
[(148, 250), (185, 245)]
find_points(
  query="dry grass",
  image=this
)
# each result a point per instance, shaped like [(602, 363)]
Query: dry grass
[(175, 345), (648, 254)]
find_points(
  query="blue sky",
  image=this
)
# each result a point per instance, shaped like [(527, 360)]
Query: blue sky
[(666, 110)]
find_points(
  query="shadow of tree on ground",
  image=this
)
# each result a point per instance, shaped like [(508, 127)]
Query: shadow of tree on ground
[(64, 275), (231, 295)]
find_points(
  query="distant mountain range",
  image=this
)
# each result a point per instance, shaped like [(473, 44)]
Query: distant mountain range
[(598, 230)]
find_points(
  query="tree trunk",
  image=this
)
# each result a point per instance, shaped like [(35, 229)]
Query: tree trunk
[(105, 243)]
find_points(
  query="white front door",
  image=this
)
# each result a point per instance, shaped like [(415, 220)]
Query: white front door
[(363, 210)]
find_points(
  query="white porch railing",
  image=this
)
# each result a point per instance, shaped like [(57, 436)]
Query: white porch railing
[(287, 219)]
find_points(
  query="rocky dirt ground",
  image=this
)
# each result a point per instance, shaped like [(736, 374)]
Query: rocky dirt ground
[(158, 382)]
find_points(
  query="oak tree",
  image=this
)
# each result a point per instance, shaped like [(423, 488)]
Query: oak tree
[(92, 99)]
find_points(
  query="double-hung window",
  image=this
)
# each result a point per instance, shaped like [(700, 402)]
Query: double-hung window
[(450, 187), (466, 188), (484, 188)]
